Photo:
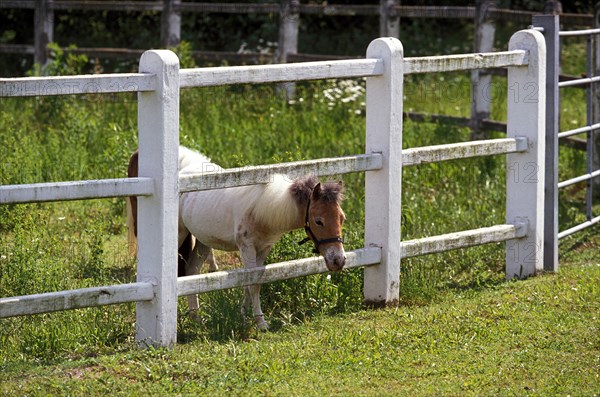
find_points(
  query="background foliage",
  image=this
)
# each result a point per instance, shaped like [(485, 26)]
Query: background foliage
[(319, 34)]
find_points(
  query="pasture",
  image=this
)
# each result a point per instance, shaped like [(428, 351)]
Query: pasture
[(79, 244), (537, 337)]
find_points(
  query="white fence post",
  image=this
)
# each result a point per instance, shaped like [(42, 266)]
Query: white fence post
[(389, 20), (170, 24), (288, 29), (481, 80), (525, 170), (383, 187), (595, 135), (551, 26), (43, 30), (158, 124)]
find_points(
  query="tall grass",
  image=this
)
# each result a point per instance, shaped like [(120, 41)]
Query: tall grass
[(49, 247)]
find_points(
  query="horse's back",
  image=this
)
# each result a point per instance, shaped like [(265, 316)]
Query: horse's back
[(191, 162), (214, 216)]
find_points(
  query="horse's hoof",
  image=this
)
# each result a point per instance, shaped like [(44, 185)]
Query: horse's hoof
[(261, 324)]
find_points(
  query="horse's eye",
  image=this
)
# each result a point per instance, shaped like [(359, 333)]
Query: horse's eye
[(319, 222)]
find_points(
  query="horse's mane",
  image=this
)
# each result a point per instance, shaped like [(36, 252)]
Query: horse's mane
[(332, 192), (302, 189), (281, 203)]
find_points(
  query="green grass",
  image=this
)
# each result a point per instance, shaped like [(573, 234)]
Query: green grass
[(537, 337), (51, 247)]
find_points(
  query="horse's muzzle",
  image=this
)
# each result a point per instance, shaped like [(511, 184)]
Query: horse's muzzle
[(335, 258)]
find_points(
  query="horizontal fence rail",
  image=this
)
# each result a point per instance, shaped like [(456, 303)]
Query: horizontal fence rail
[(77, 190), (75, 299), (84, 84), (453, 151), (468, 238), (276, 272), (88, 5), (205, 77), (583, 32), (406, 11), (580, 130), (581, 178), (582, 81), (581, 226), (451, 63), (264, 173)]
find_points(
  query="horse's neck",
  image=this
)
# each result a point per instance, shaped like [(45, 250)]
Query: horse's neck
[(298, 221), (278, 209)]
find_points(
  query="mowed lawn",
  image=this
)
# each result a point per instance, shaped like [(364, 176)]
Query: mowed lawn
[(537, 337)]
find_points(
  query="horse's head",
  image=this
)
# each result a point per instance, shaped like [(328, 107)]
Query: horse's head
[(323, 223)]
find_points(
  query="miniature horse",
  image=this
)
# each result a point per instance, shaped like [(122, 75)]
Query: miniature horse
[(252, 219)]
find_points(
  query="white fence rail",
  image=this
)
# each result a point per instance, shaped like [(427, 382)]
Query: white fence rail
[(77, 190), (159, 82), (69, 85)]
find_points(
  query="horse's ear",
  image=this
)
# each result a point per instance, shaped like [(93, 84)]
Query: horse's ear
[(340, 190), (316, 193)]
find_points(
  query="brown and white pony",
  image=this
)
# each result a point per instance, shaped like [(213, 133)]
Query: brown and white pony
[(250, 219)]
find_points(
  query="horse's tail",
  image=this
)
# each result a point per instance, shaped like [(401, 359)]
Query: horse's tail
[(131, 235), (132, 171), (187, 247)]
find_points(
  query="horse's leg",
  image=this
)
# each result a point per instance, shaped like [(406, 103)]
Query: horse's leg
[(252, 292), (248, 257), (198, 256), (184, 252), (210, 259)]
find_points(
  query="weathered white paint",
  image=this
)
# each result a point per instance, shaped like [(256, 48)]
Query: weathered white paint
[(158, 123), (276, 272), (69, 85), (468, 238), (450, 63), (76, 190), (453, 151), (383, 187), (206, 77), (75, 299), (264, 173), (525, 170)]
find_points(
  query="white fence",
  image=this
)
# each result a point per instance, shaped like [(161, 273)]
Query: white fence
[(159, 82)]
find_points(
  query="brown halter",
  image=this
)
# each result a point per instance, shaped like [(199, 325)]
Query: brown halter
[(311, 235)]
